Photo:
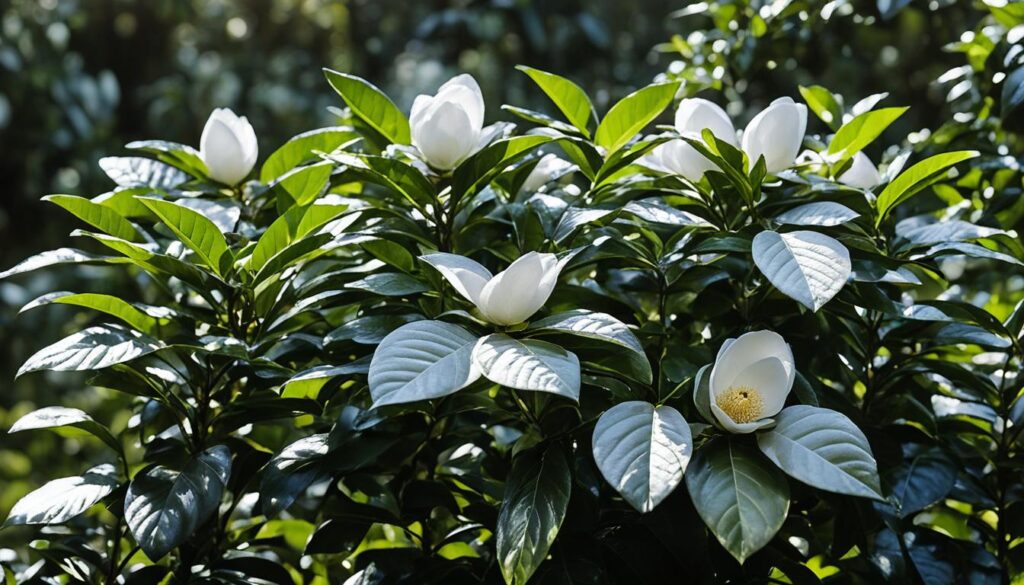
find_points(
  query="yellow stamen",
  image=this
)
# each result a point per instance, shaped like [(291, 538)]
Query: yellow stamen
[(743, 404)]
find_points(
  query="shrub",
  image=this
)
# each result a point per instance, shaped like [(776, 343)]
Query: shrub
[(420, 349)]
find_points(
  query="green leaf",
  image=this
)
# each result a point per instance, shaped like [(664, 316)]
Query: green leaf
[(290, 472), (91, 349), (308, 384), (479, 170), (632, 114), (195, 231), (823, 449), (108, 304), (163, 508), (304, 184), (1012, 99), (824, 105), (642, 451), (294, 225), (740, 496), (421, 361), (177, 155), (369, 330), (566, 95), (371, 106), (62, 499), (99, 216), (598, 326), (860, 132), (528, 365), (68, 422), (819, 213), (56, 258), (389, 284), (915, 179), (300, 150), (136, 171), (923, 480), (809, 267), (532, 510)]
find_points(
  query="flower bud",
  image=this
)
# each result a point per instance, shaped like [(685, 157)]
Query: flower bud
[(228, 147)]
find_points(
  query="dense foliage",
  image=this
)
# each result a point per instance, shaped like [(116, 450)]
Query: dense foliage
[(593, 346)]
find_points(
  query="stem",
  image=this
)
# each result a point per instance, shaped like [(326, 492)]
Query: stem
[(663, 338), (115, 552), (1002, 486)]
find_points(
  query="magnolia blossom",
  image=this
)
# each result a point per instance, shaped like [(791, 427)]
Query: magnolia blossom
[(448, 128), (548, 169), (228, 147), (776, 133), (511, 296), (862, 174), (693, 116), (750, 380)]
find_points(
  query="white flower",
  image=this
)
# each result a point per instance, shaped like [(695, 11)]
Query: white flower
[(228, 147), (862, 174), (693, 116), (776, 133), (448, 128), (549, 168), (750, 380), (510, 297)]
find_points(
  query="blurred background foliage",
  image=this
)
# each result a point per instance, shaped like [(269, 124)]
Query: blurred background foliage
[(80, 78)]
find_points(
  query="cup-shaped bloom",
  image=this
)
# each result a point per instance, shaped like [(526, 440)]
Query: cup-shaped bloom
[(549, 168), (776, 133), (862, 174), (693, 116), (447, 128), (228, 146), (511, 296), (750, 380)]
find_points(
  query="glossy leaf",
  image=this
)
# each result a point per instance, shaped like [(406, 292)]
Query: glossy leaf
[(915, 179), (532, 510), (195, 231), (62, 499), (421, 361), (528, 365), (371, 106), (806, 266), (163, 507), (642, 451), (740, 495), (824, 449), (632, 114), (566, 95)]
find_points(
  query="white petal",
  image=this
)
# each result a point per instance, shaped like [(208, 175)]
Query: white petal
[(862, 174), (735, 427), (228, 147), (694, 115), (420, 106), (466, 275), (552, 267), (510, 297), (464, 90), (445, 136), (770, 378), (749, 348), (549, 168), (776, 133), (682, 159)]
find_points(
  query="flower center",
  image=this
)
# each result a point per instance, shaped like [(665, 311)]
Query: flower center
[(743, 404)]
